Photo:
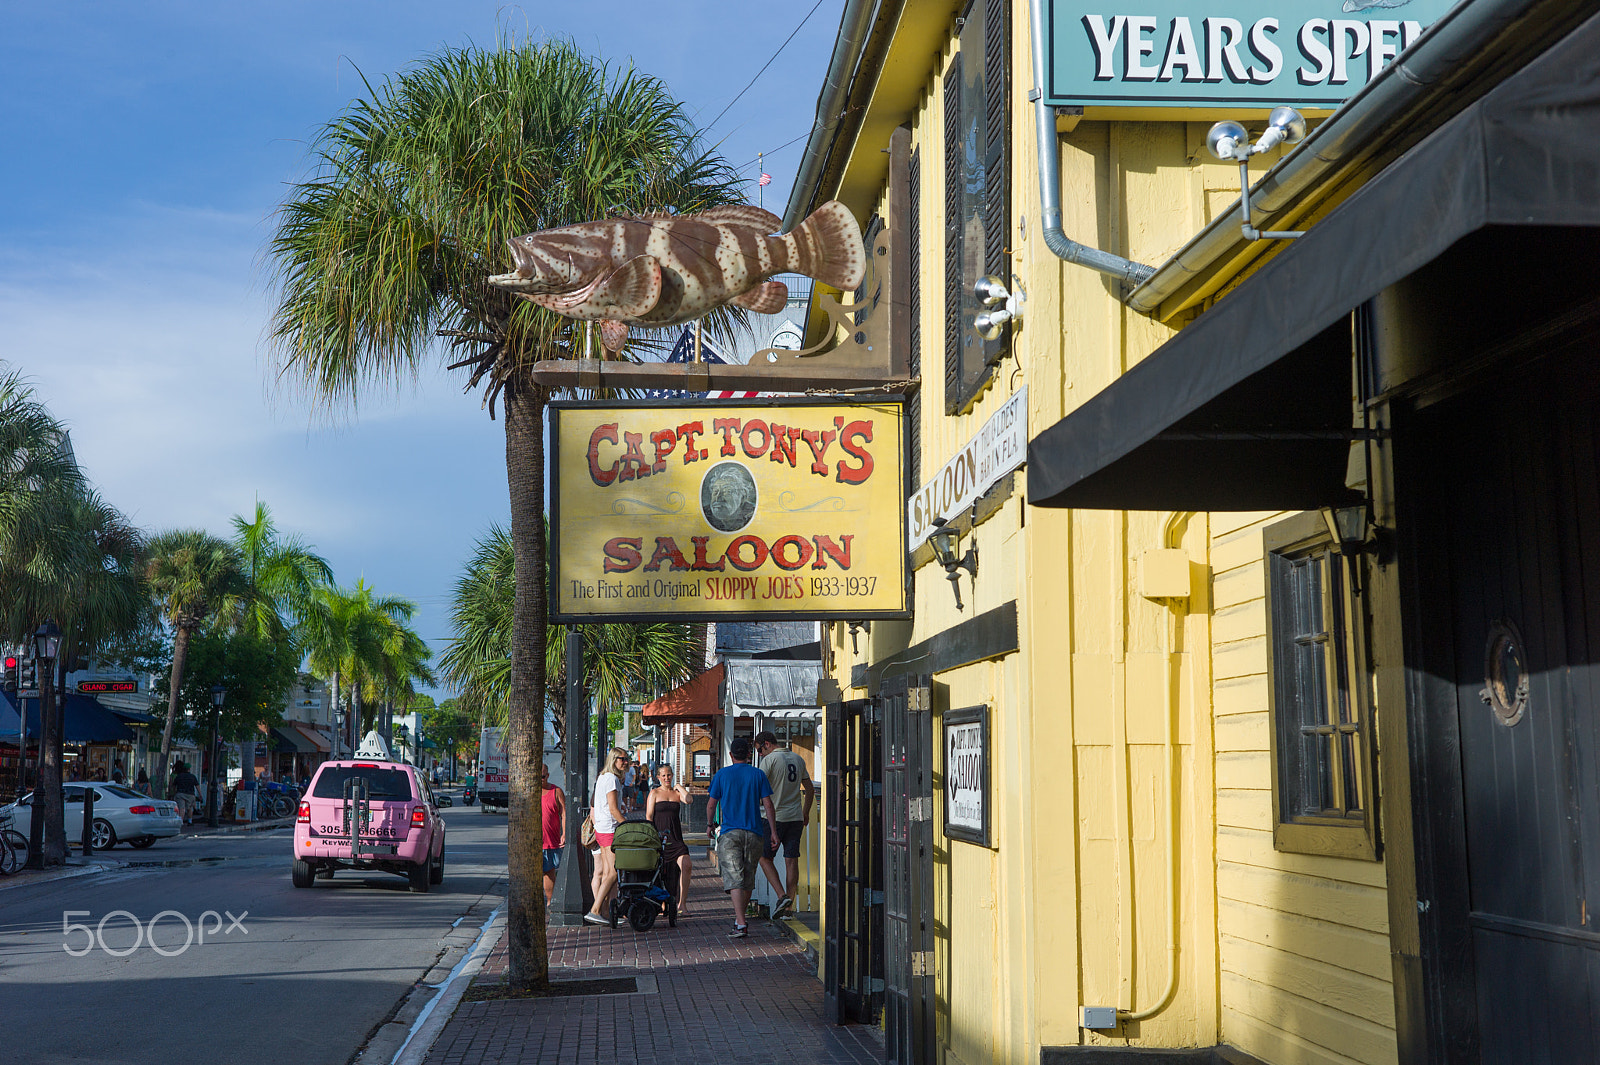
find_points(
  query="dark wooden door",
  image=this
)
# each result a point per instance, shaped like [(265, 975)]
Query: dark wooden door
[(908, 870), (1508, 493), (853, 919)]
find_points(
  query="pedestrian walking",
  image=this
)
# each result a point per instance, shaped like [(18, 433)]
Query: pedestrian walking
[(740, 794), (185, 791), (663, 808), (141, 783), (792, 795), (607, 814), (553, 807)]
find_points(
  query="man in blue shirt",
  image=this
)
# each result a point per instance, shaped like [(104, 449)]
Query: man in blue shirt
[(742, 792)]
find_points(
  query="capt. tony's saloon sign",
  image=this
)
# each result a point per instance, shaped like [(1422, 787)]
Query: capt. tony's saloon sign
[(693, 510), (1243, 53)]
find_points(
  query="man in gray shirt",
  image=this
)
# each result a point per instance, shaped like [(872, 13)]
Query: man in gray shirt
[(792, 795)]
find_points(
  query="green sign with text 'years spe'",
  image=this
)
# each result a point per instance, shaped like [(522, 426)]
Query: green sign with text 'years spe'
[(1313, 54)]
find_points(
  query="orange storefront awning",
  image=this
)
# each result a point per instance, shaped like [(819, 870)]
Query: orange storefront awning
[(694, 701), (318, 740)]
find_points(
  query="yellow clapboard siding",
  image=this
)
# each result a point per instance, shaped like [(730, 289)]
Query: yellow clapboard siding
[(1225, 522), (1244, 809), (1239, 622), (1309, 1020), (1241, 658), (1238, 585), (1242, 732), (1356, 905), (1245, 846), (1348, 948), (1244, 769), (1235, 549), (1240, 695), (1340, 989), (1270, 1043)]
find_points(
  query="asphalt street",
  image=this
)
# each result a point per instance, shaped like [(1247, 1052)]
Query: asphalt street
[(280, 973)]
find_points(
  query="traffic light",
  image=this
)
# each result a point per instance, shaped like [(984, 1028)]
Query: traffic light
[(8, 681), (27, 672)]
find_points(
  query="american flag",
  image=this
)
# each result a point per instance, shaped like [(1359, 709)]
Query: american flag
[(764, 180), (683, 351)]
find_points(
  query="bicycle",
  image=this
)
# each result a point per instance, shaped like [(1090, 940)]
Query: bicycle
[(13, 848)]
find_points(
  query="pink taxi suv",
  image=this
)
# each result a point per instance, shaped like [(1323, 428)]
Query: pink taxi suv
[(365, 813)]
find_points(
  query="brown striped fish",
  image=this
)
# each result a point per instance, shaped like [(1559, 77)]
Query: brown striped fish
[(663, 270)]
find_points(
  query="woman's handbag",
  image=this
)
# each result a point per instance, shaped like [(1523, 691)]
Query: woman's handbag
[(586, 833)]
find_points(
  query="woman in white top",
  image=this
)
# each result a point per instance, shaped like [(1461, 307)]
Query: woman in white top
[(607, 814)]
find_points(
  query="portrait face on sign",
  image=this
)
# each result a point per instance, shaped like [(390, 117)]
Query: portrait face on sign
[(691, 510)]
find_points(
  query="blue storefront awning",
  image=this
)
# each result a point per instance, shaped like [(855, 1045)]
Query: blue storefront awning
[(86, 721)]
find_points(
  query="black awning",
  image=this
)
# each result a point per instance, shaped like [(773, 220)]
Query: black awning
[(1249, 407)]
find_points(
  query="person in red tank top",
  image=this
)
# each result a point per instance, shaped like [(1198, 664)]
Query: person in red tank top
[(554, 803)]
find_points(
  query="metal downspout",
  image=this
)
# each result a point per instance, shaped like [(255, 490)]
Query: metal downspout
[(1461, 32), (1126, 270), (853, 26)]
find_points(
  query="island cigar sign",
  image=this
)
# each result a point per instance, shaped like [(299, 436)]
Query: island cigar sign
[(1251, 53), (691, 510)]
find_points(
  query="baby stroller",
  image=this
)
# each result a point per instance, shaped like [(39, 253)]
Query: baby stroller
[(642, 888)]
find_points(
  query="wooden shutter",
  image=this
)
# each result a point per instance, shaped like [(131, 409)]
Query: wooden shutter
[(914, 235), (952, 236), (997, 168)]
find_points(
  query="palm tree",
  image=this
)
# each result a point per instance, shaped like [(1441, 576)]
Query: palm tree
[(195, 579), (363, 645), (98, 599), (389, 244), (620, 660), (282, 573)]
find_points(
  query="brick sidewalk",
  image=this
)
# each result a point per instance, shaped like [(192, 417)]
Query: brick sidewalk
[(748, 1001)]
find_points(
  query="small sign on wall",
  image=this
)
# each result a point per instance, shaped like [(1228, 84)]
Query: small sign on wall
[(966, 775)]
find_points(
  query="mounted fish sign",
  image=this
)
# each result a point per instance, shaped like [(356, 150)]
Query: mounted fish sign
[(662, 270), (1313, 54), (686, 510)]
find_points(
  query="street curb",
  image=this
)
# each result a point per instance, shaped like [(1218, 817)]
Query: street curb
[(423, 1011), (228, 830), (67, 873), (437, 1013)]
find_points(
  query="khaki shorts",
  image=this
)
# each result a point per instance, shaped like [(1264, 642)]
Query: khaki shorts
[(738, 858), (186, 804)]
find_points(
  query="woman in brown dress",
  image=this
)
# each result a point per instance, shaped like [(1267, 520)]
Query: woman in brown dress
[(662, 808)]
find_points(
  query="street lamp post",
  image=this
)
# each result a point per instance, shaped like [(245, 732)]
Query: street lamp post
[(218, 694), (46, 645)]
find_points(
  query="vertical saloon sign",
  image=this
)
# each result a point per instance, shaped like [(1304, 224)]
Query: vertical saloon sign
[(691, 510), (1252, 53)]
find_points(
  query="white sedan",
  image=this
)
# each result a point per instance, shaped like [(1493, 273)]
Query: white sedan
[(121, 815)]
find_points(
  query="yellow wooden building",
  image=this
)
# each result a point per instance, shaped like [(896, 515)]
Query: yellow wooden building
[(1154, 766)]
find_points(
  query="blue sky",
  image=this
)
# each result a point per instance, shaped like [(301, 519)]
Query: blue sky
[(147, 146)]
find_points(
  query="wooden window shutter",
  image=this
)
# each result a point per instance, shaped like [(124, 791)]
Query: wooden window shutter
[(997, 161), (952, 236), (914, 235)]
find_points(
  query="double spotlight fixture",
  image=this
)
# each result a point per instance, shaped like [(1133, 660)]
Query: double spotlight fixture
[(1228, 141)]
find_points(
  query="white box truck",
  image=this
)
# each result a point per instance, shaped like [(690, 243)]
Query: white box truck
[(494, 772)]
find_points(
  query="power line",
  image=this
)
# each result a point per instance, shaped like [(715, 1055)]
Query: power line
[(765, 65)]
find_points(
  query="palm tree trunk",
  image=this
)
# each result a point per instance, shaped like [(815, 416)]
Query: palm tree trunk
[(525, 912), (180, 656)]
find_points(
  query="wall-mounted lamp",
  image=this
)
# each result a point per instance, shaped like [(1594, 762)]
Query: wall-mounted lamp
[(945, 539), (1347, 527), (857, 627), (1227, 140), (1000, 305)]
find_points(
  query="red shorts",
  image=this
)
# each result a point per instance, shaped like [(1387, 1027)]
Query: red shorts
[(604, 838)]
